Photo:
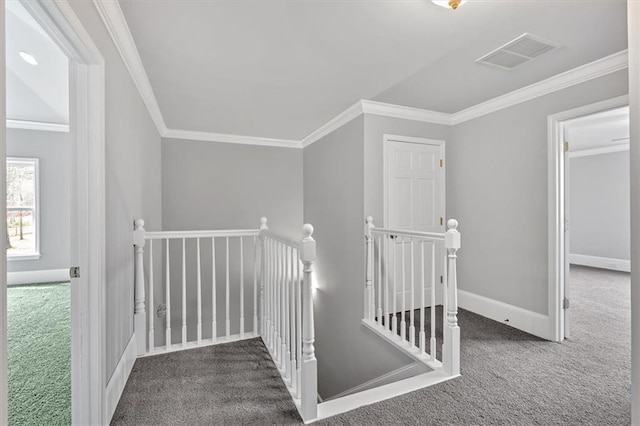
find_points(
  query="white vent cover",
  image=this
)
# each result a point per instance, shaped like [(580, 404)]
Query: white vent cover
[(517, 52)]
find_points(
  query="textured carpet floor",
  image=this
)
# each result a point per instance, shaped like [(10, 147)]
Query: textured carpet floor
[(508, 377), (39, 335), (233, 383)]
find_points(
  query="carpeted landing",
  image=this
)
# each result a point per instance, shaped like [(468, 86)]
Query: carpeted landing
[(508, 377)]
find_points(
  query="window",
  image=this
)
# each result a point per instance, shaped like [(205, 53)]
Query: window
[(22, 209)]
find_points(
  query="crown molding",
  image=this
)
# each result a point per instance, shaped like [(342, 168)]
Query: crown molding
[(226, 138), (37, 125), (597, 151), (407, 113), (336, 122), (601, 67), (116, 24)]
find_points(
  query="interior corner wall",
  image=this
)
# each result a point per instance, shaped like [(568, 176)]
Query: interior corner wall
[(348, 353), (600, 207), (53, 150), (132, 179), (497, 187)]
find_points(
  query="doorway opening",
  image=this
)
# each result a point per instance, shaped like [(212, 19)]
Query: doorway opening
[(588, 197), (86, 207)]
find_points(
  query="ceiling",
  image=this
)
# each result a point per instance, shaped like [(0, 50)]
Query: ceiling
[(34, 93), (600, 130), (281, 69)]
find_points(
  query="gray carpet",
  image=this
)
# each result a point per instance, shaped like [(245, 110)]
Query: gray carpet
[(508, 377)]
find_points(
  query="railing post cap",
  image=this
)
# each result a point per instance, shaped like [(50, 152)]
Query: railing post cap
[(263, 223), (138, 224), (452, 236), (307, 231), (138, 232), (370, 220), (308, 244)]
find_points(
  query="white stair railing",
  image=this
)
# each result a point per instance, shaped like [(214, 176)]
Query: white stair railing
[(403, 290), (288, 313), (282, 306)]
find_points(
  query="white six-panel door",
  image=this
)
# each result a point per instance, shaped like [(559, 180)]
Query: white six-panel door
[(414, 201)]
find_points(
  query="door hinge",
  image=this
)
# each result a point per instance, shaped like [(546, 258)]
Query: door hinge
[(441, 280), (565, 303), (441, 220), (566, 225), (565, 146), (74, 272), (441, 162)]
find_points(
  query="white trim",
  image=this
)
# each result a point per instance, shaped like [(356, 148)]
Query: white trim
[(601, 67), (406, 113), (598, 151), (116, 24), (514, 316), (36, 277), (556, 213), (87, 114), (382, 393), (600, 262), (118, 380), (19, 257), (401, 373), (235, 139), (4, 418), (37, 125), (354, 111)]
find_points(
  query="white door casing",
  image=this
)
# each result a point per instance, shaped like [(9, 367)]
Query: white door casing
[(414, 197)]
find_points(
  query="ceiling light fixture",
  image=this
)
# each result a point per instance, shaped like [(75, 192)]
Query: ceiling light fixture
[(453, 4), (28, 58)]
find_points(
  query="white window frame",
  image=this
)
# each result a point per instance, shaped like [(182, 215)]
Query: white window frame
[(36, 208)]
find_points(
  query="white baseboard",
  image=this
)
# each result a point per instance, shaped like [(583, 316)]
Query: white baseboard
[(32, 277), (401, 373), (600, 262), (522, 319), (119, 378)]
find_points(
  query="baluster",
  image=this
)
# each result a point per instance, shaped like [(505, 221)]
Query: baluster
[(287, 324), (263, 276), (386, 283), (379, 312), (214, 322), (412, 326), (309, 393), (298, 302), (227, 322), (432, 346), (255, 286), (421, 337), (184, 293), (281, 300), (241, 289), (199, 292), (140, 317), (278, 307), (369, 306), (451, 347), (292, 320), (394, 319), (272, 299), (167, 278), (403, 323), (151, 303)]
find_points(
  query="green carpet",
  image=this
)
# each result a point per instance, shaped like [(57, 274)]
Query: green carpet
[(39, 334)]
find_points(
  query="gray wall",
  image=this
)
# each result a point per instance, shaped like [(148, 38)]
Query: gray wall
[(210, 185), (133, 182), (497, 188), (53, 151), (599, 195), (348, 353)]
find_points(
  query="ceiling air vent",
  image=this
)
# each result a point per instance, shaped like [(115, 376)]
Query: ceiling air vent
[(517, 52)]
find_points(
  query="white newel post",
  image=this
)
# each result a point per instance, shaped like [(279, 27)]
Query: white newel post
[(451, 346), (140, 319), (369, 304), (309, 391), (263, 229)]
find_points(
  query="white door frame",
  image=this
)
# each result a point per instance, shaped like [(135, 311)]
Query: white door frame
[(87, 104), (556, 183), (385, 170)]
